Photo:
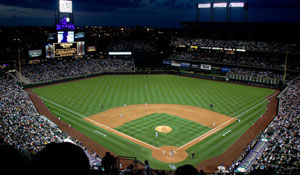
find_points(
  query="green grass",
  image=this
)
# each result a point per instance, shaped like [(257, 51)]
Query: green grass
[(76, 100), (183, 130)]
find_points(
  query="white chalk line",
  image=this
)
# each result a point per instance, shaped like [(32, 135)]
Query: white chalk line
[(226, 133), (99, 124), (210, 132), (100, 133), (124, 134)]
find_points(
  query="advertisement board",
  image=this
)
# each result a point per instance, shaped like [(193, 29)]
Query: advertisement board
[(35, 53), (91, 48), (49, 51), (168, 62), (205, 66), (81, 48), (79, 35), (119, 53), (186, 65)]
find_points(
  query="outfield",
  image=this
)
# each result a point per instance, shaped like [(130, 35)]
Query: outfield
[(77, 100)]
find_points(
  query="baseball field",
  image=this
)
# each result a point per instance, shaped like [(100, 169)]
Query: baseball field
[(161, 118)]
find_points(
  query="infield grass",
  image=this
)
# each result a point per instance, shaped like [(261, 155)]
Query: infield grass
[(183, 130), (76, 100)]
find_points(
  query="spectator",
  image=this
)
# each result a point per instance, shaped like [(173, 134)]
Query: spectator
[(147, 169), (186, 169), (60, 158)]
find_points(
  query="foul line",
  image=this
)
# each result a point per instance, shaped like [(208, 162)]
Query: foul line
[(106, 127), (203, 136), (99, 124)]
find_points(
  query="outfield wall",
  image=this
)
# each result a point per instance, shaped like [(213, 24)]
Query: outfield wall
[(93, 75), (171, 72)]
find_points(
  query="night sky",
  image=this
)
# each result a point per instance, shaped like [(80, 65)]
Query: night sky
[(152, 13)]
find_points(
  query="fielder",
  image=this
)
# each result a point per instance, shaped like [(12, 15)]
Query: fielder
[(171, 153), (156, 134)]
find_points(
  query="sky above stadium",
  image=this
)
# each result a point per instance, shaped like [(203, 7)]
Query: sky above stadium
[(153, 13)]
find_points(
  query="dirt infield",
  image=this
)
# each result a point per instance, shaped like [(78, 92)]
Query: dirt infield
[(115, 117)]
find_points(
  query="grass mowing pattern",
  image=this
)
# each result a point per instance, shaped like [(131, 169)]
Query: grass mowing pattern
[(86, 96), (183, 130)]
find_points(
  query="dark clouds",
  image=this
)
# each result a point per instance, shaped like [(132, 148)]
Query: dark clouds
[(98, 5), (140, 12)]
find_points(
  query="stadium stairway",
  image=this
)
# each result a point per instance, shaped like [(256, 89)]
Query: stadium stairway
[(94, 161), (251, 157), (24, 79)]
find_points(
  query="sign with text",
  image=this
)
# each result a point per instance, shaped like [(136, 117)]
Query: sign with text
[(65, 23), (65, 49)]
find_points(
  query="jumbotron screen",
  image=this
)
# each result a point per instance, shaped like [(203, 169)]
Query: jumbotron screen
[(65, 36)]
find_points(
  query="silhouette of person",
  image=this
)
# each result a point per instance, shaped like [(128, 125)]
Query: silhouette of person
[(108, 162), (60, 158), (65, 37), (186, 169), (147, 170)]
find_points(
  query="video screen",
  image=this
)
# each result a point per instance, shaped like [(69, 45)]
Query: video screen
[(51, 36), (79, 35), (65, 49), (35, 53), (65, 36), (81, 48), (49, 51)]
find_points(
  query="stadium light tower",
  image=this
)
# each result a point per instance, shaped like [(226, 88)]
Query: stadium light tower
[(65, 9), (228, 5)]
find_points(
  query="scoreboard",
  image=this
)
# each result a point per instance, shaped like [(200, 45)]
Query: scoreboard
[(65, 49)]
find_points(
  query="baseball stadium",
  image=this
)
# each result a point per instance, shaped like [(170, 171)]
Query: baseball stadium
[(206, 98)]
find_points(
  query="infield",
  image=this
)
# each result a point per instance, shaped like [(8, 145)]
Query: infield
[(138, 123)]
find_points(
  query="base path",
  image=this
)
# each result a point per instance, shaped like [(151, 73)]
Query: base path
[(116, 117)]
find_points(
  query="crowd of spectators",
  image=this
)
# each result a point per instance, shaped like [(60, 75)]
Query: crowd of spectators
[(233, 44), (282, 154), (283, 150), (22, 127), (232, 59), (64, 68), (256, 73), (130, 45)]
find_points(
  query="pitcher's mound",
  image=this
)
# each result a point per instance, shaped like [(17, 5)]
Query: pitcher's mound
[(163, 129)]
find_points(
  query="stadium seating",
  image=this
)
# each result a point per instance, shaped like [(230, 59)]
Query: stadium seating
[(280, 153), (65, 69)]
